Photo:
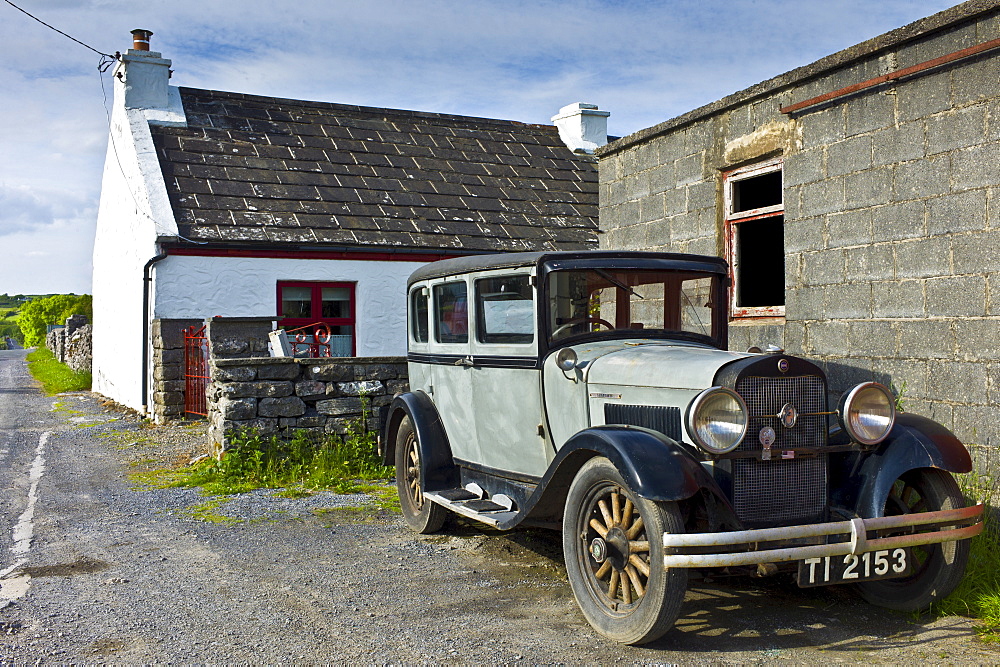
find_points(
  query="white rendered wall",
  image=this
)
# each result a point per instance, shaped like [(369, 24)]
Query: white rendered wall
[(202, 287), (134, 212)]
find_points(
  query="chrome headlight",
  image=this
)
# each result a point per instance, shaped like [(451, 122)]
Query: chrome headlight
[(717, 420), (867, 412)]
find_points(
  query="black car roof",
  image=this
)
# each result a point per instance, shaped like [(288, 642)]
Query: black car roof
[(582, 259)]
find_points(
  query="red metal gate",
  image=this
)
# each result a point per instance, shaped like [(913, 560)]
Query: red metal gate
[(196, 374)]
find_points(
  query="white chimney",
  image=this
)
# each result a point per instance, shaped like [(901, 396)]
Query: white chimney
[(143, 74), (582, 127), (143, 83)]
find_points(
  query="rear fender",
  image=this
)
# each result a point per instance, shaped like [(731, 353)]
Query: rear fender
[(438, 468), (914, 442)]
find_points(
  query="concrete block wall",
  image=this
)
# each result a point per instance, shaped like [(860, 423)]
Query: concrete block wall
[(892, 212), (283, 395)]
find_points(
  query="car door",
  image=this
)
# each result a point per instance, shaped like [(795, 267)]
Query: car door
[(450, 368), (506, 383)]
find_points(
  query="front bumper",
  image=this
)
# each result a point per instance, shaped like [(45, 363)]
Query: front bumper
[(771, 545)]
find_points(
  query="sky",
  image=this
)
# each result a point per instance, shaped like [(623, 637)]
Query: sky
[(645, 61)]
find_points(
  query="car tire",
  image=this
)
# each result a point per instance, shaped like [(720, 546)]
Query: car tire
[(421, 514), (938, 568), (618, 577)]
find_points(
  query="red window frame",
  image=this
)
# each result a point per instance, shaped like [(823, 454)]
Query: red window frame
[(732, 220), (316, 308)]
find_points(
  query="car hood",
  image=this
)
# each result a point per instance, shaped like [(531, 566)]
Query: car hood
[(644, 363)]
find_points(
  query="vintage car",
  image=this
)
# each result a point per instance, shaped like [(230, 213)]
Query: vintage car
[(593, 392)]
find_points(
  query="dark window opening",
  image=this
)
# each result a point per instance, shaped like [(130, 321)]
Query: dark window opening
[(761, 260), (757, 192)]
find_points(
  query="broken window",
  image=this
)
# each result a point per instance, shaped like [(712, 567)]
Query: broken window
[(755, 240)]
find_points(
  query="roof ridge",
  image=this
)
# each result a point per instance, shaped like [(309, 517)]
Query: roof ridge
[(386, 111)]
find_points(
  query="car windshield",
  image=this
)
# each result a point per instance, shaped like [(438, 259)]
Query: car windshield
[(643, 302)]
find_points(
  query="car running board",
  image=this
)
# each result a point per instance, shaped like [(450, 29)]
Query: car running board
[(492, 512)]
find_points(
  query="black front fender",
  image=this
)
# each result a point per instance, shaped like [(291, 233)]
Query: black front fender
[(915, 442), (653, 466)]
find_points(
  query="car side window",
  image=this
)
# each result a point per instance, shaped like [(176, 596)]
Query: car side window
[(419, 302), (451, 313), (505, 310)]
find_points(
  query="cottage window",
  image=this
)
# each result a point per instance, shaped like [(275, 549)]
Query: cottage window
[(301, 304), (755, 247)]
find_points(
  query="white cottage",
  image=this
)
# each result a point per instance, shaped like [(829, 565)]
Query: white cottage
[(222, 204)]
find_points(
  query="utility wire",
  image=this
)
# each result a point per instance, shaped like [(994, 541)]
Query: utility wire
[(105, 63), (100, 53)]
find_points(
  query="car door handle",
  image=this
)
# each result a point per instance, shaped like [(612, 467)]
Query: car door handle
[(464, 361)]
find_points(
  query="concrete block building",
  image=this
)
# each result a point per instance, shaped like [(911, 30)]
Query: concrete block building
[(857, 200)]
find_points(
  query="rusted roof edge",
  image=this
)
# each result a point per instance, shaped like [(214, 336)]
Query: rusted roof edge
[(943, 20)]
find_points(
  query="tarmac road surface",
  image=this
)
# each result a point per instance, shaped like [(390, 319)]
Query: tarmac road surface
[(97, 568)]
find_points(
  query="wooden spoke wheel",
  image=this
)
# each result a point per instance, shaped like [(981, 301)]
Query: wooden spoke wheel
[(613, 541), (421, 515)]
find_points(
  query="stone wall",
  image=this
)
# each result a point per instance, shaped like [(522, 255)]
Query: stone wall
[(167, 337), (72, 344), (282, 395), (892, 212)]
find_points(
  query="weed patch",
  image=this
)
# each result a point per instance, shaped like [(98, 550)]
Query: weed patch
[(343, 464), (206, 512), (978, 595), (56, 377)]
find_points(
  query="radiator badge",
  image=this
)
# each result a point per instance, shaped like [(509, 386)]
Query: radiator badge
[(783, 365), (788, 415), (613, 397), (766, 437)]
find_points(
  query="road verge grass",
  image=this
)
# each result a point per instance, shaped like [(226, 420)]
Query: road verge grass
[(342, 463), (55, 376), (978, 596)]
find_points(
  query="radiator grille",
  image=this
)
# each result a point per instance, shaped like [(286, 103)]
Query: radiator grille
[(782, 490), (666, 420)]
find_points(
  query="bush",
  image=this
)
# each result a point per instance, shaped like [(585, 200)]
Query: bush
[(36, 315)]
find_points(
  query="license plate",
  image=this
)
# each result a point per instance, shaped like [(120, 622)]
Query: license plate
[(826, 570)]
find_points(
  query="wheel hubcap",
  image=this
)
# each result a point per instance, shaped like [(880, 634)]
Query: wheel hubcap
[(618, 548)]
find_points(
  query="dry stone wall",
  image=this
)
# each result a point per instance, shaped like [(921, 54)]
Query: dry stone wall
[(72, 344), (282, 395), (168, 367)]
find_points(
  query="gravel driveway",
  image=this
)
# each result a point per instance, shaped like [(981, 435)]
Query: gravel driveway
[(121, 572)]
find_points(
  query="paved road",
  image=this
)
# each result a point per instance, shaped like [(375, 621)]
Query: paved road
[(116, 572)]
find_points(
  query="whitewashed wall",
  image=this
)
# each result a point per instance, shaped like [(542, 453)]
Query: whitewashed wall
[(134, 212), (202, 287)]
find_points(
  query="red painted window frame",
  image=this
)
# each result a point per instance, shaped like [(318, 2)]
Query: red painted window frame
[(732, 220), (316, 308)]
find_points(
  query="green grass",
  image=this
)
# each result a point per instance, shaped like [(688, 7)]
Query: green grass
[(978, 596), (341, 463), (55, 377)]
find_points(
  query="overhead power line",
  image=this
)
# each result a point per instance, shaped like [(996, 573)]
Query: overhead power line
[(100, 53)]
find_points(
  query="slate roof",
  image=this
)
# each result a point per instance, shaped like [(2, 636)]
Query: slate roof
[(252, 171)]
